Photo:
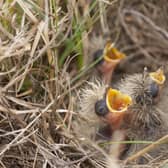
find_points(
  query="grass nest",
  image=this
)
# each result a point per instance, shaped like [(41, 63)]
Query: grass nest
[(45, 49)]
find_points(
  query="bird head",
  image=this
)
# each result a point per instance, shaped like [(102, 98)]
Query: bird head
[(145, 90), (111, 57), (113, 107), (158, 76), (117, 102)]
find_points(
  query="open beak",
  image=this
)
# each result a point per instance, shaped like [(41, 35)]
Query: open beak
[(117, 102), (111, 57), (158, 76)]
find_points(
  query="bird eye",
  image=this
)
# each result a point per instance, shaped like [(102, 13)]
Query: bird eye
[(154, 90), (97, 56), (101, 108)]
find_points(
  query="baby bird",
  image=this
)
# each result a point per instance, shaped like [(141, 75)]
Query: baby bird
[(145, 90), (111, 58), (113, 107), (104, 109), (89, 95), (147, 118), (103, 106)]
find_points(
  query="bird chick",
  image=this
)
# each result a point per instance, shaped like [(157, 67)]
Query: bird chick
[(112, 110), (104, 109), (111, 58), (145, 90), (89, 95), (117, 104), (146, 120)]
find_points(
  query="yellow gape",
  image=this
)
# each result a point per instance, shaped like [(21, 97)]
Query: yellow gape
[(158, 76), (111, 54), (117, 102)]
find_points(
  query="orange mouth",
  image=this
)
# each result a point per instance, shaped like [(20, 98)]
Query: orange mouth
[(111, 54), (158, 76), (117, 102)]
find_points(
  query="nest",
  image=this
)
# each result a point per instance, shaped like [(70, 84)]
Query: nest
[(39, 99)]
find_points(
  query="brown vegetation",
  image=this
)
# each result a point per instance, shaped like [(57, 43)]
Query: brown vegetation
[(45, 49)]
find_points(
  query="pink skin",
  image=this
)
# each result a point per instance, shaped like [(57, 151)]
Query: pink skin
[(115, 120), (106, 69)]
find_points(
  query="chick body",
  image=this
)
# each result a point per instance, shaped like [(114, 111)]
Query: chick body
[(89, 95), (147, 118)]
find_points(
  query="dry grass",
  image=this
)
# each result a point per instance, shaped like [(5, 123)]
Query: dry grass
[(44, 46)]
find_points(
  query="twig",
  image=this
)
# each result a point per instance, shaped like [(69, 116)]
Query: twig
[(162, 140), (8, 146)]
